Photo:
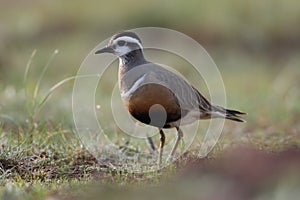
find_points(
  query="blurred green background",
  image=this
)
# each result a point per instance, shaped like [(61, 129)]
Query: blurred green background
[(253, 43)]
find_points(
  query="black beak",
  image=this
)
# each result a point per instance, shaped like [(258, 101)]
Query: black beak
[(105, 50)]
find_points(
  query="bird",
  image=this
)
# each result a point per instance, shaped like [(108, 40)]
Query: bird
[(157, 96)]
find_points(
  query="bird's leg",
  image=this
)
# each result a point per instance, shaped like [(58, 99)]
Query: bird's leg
[(179, 137), (161, 146)]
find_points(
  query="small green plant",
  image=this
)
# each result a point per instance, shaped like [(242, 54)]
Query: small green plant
[(36, 101), (33, 102)]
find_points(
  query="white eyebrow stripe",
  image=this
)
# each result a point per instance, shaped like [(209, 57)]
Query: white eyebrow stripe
[(129, 39), (134, 87)]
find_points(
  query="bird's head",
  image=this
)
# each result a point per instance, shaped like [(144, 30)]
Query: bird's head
[(122, 44)]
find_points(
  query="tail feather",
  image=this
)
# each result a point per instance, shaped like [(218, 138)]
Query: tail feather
[(233, 115)]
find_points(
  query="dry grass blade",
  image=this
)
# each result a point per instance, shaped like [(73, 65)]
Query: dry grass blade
[(53, 89), (37, 86), (25, 78)]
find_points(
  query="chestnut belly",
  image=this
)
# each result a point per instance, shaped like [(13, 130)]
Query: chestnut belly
[(155, 105)]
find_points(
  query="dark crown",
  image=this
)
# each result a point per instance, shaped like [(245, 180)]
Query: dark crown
[(126, 33)]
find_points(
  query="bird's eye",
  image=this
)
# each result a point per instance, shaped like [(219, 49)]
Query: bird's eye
[(121, 43)]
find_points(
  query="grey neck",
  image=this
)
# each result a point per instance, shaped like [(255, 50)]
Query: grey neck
[(132, 59)]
